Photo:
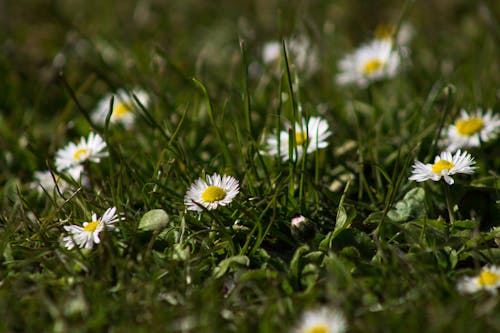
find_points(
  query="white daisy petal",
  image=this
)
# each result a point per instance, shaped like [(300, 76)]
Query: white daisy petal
[(371, 62), (445, 165), (301, 52), (323, 320), (88, 235), (124, 105), (488, 280), (311, 135), (47, 180), (211, 193), (70, 159), (469, 130)]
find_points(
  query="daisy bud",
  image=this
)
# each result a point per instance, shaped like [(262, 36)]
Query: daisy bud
[(302, 228)]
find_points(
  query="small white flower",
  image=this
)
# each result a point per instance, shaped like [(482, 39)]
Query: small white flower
[(469, 130), (88, 235), (298, 220), (70, 159), (323, 320), (309, 136), (444, 166), (46, 180), (301, 53), (214, 192), (124, 106), (271, 52), (371, 62), (488, 279)]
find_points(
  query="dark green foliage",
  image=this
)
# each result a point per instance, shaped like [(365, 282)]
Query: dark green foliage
[(382, 249)]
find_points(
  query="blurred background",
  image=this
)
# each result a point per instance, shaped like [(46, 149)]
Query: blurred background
[(49, 48), (121, 40)]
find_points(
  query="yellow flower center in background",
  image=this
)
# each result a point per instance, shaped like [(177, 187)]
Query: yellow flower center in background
[(121, 110), (372, 66), (213, 194), (318, 329), (441, 165), (468, 127), (488, 278), (384, 31), (91, 226), (80, 153), (300, 138)]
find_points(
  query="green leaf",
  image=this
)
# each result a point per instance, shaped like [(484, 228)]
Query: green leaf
[(228, 263), (373, 218), (153, 220), (295, 266), (453, 258), (338, 270), (412, 205), (341, 220)]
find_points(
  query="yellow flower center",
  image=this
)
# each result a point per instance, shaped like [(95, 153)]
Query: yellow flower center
[(213, 194), (488, 278), (318, 329), (468, 127), (80, 153), (300, 138), (91, 226), (441, 165), (384, 31), (372, 66), (121, 110)]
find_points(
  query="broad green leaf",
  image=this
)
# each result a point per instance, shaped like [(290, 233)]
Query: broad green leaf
[(153, 220), (295, 263), (228, 263), (412, 205)]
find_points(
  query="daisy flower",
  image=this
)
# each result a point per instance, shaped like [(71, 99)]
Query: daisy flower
[(298, 221), (86, 236), (271, 52), (371, 62), (309, 136), (488, 279), (323, 320), (70, 159), (302, 228), (124, 105), (46, 181), (444, 166), (469, 130), (211, 193), (301, 52)]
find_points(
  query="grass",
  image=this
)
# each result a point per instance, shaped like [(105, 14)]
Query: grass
[(384, 250)]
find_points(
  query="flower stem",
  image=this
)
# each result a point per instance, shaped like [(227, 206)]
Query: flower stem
[(448, 204)]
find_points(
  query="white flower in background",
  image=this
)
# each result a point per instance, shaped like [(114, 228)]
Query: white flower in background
[(445, 165), (323, 320), (309, 136), (371, 62), (211, 193), (301, 54), (488, 279), (387, 31), (107, 51), (88, 235), (70, 159), (124, 106), (271, 52), (46, 181), (469, 130)]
